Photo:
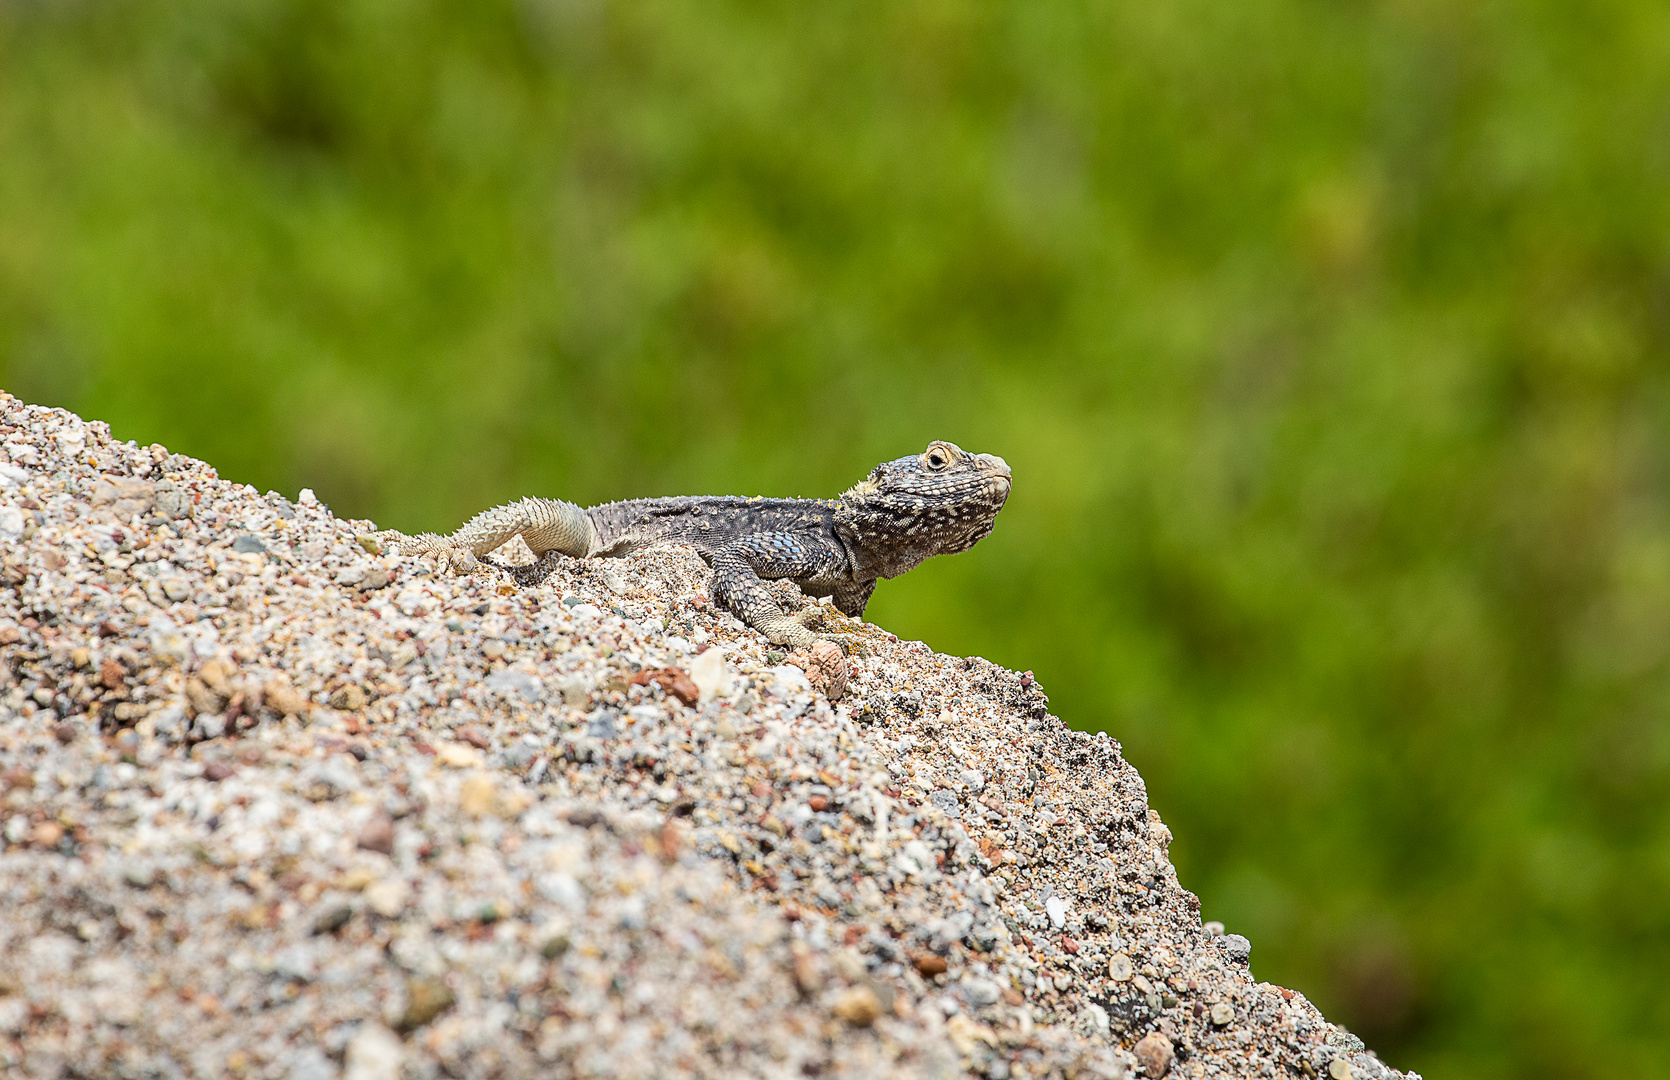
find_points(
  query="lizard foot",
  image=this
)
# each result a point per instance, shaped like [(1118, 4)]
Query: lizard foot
[(825, 666), (830, 626)]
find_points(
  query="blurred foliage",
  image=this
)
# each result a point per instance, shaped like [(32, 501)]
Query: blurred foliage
[(1326, 339)]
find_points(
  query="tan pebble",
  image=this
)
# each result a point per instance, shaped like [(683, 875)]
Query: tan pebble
[(458, 756), (201, 698), (48, 833), (711, 676), (80, 657), (806, 974), (1154, 1053), (1223, 1013), (426, 998), (350, 698), (476, 795), (672, 839), (1340, 1069), (214, 675), (284, 699), (858, 1006), (1119, 967), (111, 673), (378, 834), (966, 1034), (388, 898), (356, 878)]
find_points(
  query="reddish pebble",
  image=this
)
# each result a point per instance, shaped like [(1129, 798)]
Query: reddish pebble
[(378, 834)]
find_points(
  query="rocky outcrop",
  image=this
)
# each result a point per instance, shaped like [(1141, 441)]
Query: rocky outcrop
[(276, 804)]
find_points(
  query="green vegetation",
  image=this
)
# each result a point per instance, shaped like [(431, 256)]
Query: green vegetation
[(1327, 342)]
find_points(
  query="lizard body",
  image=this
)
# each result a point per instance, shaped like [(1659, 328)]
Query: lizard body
[(939, 502)]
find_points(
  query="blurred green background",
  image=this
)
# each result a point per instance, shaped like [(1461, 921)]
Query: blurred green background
[(1327, 341)]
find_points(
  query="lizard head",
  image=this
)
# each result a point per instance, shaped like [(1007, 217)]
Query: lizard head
[(939, 502)]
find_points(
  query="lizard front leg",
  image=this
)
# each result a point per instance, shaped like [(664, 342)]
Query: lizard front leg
[(738, 572)]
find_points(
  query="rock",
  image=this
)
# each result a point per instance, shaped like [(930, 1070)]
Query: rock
[(575, 692), (825, 666), (1238, 948), (350, 698), (388, 898), (980, 993), (928, 965), (1340, 1069), (675, 682), (173, 501), (516, 685), (477, 795), (332, 919), (283, 699), (711, 676), (1056, 908), (807, 975), (947, 803), (1223, 1014), (374, 1053), (1155, 1054), (426, 998), (377, 834), (457, 755), (310, 1063), (249, 545), (858, 1006)]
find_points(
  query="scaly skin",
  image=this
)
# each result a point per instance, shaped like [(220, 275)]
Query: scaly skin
[(939, 502)]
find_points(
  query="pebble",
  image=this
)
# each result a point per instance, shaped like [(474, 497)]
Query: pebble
[(426, 998), (1155, 1054), (374, 1053), (378, 834), (858, 1006), (446, 806), (388, 898), (1223, 1014), (1238, 948)]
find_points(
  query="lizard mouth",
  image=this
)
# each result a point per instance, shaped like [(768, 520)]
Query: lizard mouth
[(996, 466)]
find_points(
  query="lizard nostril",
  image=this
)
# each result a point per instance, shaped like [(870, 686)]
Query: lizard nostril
[(996, 464)]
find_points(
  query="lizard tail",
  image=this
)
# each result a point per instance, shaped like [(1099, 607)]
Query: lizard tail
[(546, 525)]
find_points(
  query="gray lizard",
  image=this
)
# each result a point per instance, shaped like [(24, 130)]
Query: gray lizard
[(939, 502)]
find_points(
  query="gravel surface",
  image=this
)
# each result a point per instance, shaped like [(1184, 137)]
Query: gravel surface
[(274, 804)]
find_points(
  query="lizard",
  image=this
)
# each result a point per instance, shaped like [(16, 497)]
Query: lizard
[(939, 502)]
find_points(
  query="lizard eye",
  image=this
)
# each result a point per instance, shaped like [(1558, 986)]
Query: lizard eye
[(937, 458)]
